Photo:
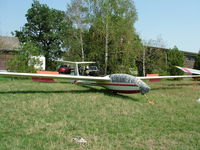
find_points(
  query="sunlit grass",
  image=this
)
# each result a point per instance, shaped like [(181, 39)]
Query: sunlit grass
[(49, 115)]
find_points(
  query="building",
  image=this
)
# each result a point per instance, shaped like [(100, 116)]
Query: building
[(8, 46), (189, 59), (189, 56)]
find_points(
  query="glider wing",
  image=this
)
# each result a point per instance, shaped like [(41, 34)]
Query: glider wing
[(68, 77)]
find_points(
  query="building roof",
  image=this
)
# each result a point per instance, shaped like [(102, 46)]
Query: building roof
[(185, 52), (9, 43)]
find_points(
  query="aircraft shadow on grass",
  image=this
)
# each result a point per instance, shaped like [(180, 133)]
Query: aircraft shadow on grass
[(174, 86), (88, 90), (110, 93)]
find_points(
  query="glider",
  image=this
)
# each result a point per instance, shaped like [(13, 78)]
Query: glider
[(189, 70), (118, 83)]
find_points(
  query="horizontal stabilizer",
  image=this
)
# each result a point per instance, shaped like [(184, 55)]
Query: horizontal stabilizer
[(82, 62), (169, 77), (189, 70)]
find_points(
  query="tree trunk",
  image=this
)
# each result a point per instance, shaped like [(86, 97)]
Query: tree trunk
[(46, 63), (143, 63), (106, 50), (82, 50)]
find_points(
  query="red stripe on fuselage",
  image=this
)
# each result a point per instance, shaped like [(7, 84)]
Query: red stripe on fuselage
[(125, 91)]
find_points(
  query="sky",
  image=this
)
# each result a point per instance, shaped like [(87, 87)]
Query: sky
[(176, 22)]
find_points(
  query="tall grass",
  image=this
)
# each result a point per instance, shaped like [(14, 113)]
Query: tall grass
[(49, 115)]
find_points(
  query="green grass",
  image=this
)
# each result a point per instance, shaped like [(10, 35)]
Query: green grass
[(5, 79), (49, 115)]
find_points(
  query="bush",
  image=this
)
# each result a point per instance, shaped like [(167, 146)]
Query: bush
[(21, 61), (175, 58)]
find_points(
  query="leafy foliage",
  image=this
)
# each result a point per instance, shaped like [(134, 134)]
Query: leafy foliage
[(21, 61), (47, 28), (152, 58), (111, 39), (175, 58), (77, 12), (156, 60)]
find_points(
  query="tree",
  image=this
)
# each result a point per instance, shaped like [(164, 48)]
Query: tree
[(197, 61), (112, 35), (175, 58), (21, 61), (47, 29), (153, 57), (77, 12)]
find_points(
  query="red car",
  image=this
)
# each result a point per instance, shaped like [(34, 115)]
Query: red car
[(64, 69)]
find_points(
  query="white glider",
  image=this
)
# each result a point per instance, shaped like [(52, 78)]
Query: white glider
[(118, 83)]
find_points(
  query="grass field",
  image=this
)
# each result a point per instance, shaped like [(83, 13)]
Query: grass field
[(49, 115)]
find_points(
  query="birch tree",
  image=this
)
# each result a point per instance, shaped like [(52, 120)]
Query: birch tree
[(113, 25), (77, 12)]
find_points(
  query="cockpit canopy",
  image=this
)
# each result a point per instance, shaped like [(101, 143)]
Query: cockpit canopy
[(125, 78)]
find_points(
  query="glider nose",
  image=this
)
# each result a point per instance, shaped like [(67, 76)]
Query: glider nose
[(144, 88)]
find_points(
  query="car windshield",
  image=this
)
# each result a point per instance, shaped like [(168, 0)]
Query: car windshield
[(93, 68), (64, 66)]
